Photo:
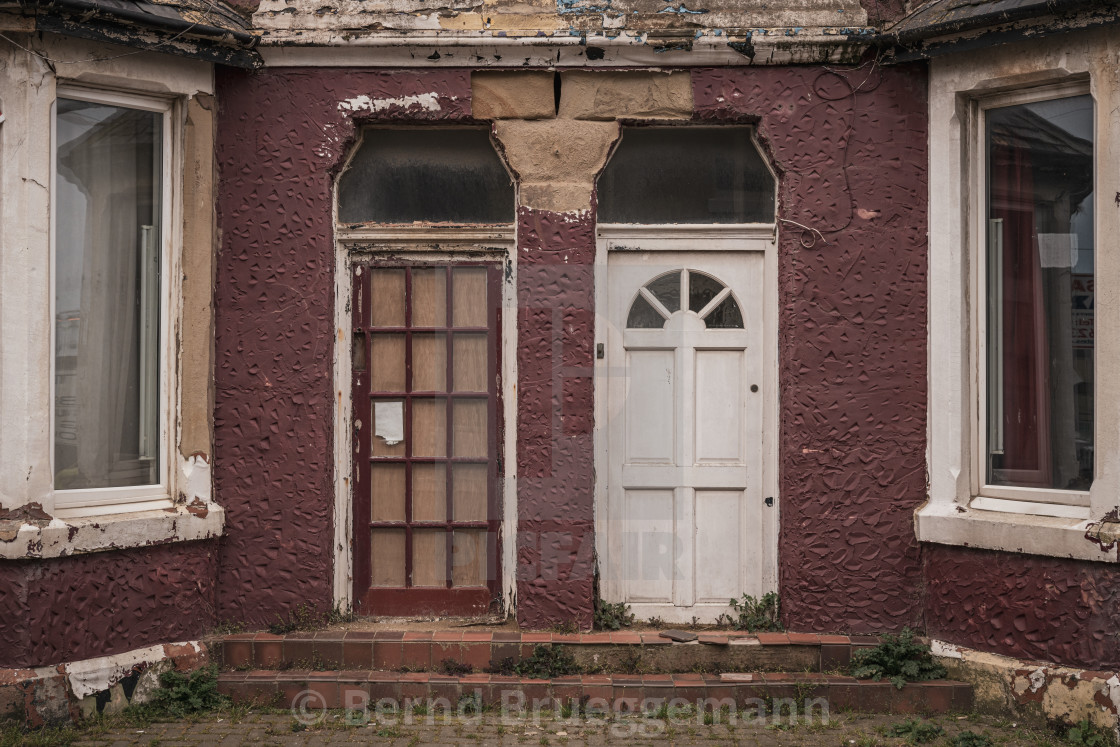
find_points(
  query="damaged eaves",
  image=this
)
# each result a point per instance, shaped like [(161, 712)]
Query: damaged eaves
[(944, 26), (211, 32)]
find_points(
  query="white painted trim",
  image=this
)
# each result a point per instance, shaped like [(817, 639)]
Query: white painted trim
[(655, 236), (960, 511), (152, 81), (280, 48), (347, 255), (977, 193), (113, 500), (429, 234)]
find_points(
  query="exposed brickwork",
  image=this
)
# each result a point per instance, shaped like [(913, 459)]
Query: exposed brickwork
[(68, 609), (391, 650), (281, 139), (1025, 606), (852, 331)]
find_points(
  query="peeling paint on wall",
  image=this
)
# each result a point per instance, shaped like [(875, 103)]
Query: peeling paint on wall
[(427, 101)]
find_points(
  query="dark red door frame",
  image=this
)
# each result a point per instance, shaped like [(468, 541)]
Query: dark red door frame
[(410, 600)]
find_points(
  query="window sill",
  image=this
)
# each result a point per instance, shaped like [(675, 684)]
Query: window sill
[(58, 538), (948, 523)]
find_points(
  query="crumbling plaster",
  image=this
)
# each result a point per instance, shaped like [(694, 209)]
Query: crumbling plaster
[(28, 92), (301, 21), (1034, 692)]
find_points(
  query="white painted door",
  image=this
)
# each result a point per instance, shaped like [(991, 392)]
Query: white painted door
[(686, 529)]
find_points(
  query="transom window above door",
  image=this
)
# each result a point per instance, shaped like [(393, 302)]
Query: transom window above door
[(707, 298), (686, 175), (425, 175)]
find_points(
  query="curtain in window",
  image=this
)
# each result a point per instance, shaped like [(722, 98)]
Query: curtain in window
[(105, 212), (1025, 349)]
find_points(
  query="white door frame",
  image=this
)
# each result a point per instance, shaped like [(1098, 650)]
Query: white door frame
[(421, 244), (690, 238)]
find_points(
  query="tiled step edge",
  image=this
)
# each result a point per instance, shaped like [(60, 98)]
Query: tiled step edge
[(421, 651), (617, 693)]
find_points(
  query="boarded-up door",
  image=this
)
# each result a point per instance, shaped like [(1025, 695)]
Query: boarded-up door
[(426, 422)]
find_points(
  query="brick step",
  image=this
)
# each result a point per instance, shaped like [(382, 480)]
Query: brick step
[(610, 652), (615, 693)]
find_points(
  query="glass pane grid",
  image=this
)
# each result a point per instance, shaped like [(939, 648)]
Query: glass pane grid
[(445, 517)]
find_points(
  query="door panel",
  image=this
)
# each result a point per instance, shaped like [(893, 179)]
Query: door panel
[(426, 423), (684, 451), (718, 545), (650, 545), (649, 419), (719, 407)]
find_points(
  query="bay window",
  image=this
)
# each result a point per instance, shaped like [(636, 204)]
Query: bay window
[(1023, 409)]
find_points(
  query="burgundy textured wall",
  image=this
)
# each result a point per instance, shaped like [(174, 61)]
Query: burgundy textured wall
[(555, 417), (67, 609), (281, 138), (852, 332), (1026, 606)]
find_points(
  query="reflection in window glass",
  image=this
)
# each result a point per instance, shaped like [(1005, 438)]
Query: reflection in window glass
[(686, 175), (1040, 290), (667, 290), (644, 316), (428, 176), (107, 296), (702, 290)]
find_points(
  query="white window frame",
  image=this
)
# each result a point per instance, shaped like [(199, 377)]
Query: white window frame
[(97, 501), (1045, 501), (961, 509)]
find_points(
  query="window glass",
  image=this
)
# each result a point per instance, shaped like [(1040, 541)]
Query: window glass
[(428, 176), (686, 175), (703, 291), (107, 296), (1040, 290)]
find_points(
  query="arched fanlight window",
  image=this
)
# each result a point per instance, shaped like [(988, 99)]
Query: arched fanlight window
[(429, 175), (707, 298), (686, 175)]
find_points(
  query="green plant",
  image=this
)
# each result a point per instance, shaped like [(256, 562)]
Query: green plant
[(971, 739), (455, 668), (471, 703), (632, 662), (548, 662), (182, 694), (507, 667), (1087, 733), (305, 617), (612, 616), (753, 614), (568, 627), (899, 658), (916, 732)]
